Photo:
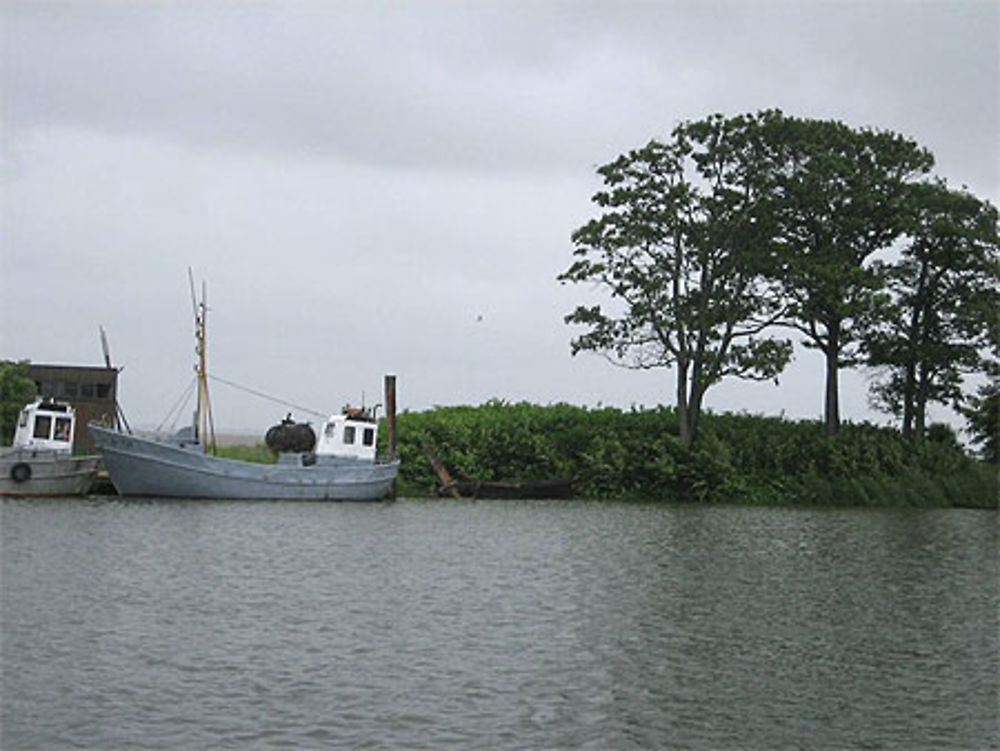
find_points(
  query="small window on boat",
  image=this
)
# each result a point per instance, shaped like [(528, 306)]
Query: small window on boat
[(43, 427), (24, 418), (63, 426), (369, 437), (349, 434), (330, 428)]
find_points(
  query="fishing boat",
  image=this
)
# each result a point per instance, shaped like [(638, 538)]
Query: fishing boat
[(340, 465), (40, 462)]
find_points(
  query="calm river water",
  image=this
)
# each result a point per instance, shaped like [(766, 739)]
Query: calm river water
[(493, 625)]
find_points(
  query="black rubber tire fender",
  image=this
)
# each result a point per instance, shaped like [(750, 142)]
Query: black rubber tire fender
[(20, 472)]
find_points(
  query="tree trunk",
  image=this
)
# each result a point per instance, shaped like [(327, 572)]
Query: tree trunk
[(920, 406), (694, 409), (915, 344), (909, 390), (915, 387), (683, 412), (831, 413)]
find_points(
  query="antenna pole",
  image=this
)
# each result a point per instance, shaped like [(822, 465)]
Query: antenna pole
[(204, 426)]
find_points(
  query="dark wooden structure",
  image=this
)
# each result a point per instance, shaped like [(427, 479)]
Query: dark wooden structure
[(512, 490), (92, 390), (563, 487)]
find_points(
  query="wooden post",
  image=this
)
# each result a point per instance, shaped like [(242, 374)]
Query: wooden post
[(390, 414)]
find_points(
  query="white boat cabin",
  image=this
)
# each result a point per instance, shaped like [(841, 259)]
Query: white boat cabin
[(352, 434), (45, 425)]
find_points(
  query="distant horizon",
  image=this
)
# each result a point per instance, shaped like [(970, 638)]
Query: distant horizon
[(851, 382)]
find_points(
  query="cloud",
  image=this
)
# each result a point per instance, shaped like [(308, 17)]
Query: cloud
[(486, 85), (358, 181)]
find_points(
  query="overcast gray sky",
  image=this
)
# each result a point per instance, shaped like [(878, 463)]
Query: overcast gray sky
[(373, 187)]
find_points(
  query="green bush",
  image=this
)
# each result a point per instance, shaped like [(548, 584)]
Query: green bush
[(738, 458), (16, 390), (256, 453)]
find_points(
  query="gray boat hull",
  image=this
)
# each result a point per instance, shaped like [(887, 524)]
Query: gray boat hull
[(142, 467), (40, 473)]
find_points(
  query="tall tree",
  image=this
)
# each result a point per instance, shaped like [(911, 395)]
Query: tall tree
[(941, 322), (683, 247), (841, 196)]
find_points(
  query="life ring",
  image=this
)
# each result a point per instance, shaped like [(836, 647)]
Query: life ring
[(20, 472)]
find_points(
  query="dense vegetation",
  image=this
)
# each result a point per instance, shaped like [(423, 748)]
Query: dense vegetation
[(638, 454)]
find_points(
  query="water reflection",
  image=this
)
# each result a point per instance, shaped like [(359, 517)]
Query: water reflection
[(517, 625)]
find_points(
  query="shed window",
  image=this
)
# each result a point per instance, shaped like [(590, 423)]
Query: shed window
[(43, 427), (349, 434), (368, 438), (103, 390)]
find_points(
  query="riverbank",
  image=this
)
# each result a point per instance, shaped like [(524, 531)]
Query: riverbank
[(636, 454)]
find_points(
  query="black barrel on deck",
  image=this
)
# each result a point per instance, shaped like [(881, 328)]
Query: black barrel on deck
[(290, 436)]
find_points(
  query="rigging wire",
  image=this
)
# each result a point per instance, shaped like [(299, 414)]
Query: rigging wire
[(262, 395), (178, 406)]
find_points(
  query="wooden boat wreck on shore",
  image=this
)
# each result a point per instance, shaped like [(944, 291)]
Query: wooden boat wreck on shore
[(447, 486)]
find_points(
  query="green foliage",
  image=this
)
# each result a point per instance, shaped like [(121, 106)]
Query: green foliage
[(737, 459), (16, 390), (939, 319), (841, 196), (256, 453), (706, 240), (682, 248), (983, 415)]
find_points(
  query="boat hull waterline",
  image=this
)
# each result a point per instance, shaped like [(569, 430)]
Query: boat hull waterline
[(143, 467), (48, 474)]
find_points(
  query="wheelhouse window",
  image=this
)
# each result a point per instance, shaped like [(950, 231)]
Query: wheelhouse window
[(43, 427), (24, 419), (64, 427), (330, 428), (349, 431), (368, 437)]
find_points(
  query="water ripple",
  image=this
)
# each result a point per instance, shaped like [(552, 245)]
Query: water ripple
[(188, 625)]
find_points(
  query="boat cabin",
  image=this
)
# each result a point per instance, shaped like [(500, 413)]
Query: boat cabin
[(45, 425), (353, 433)]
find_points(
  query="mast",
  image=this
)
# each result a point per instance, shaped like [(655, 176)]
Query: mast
[(203, 424)]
